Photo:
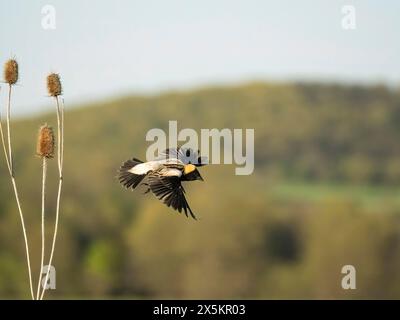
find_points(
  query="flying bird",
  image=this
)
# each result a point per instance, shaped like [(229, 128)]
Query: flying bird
[(164, 176)]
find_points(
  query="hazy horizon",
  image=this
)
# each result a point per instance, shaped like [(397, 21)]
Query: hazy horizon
[(120, 48)]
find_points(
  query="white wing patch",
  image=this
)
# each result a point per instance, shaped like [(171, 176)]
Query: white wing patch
[(143, 168), (169, 172)]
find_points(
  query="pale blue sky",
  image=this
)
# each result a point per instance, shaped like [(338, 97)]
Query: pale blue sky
[(107, 48)]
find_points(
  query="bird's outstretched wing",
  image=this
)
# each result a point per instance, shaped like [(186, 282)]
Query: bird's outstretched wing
[(170, 191), (185, 155)]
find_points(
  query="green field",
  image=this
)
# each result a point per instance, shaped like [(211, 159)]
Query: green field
[(372, 197)]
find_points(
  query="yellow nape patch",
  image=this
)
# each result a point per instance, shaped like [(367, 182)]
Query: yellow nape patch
[(189, 168)]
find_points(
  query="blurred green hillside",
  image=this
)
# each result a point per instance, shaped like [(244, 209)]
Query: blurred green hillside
[(325, 193)]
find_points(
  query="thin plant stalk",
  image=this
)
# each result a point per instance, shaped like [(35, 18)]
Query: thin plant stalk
[(4, 147), (60, 156), (4, 144), (9, 161), (9, 130), (44, 170)]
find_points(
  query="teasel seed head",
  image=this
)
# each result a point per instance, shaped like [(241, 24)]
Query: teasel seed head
[(11, 72), (54, 85), (45, 144)]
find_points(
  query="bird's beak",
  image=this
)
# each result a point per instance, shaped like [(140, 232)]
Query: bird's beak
[(200, 178)]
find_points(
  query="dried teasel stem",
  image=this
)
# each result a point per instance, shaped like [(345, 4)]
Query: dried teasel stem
[(10, 157), (60, 156), (11, 77), (44, 174), (45, 150), (28, 260), (3, 142)]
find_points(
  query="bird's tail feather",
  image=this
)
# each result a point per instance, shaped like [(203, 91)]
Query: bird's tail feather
[(129, 179)]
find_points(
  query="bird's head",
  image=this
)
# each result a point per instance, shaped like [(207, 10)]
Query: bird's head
[(191, 173)]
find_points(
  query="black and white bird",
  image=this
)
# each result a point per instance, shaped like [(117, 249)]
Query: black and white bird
[(164, 176)]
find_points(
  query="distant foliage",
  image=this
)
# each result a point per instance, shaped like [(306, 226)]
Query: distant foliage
[(254, 239)]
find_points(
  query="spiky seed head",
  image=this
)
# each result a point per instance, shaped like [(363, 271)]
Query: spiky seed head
[(54, 85), (45, 143), (11, 72)]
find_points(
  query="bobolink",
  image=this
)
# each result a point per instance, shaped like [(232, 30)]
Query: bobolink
[(164, 176)]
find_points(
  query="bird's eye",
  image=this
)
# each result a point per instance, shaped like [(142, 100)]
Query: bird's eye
[(188, 153)]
